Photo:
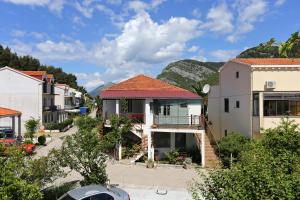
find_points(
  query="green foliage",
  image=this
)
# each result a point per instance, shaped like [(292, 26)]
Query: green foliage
[(273, 49), (99, 106), (42, 139), (190, 69), (172, 156), (28, 142), (231, 147), (84, 152), (59, 126), (8, 58), (31, 126), (120, 126), (131, 150), (54, 192), (268, 169), (123, 105), (22, 178)]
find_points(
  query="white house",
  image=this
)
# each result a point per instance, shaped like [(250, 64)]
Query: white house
[(67, 98), (165, 116), (31, 93), (254, 94)]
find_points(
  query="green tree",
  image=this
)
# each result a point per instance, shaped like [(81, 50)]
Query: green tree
[(230, 148), (120, 126), (31, 126), (22, 177), (290, 48), (84, 152), (268, 169)]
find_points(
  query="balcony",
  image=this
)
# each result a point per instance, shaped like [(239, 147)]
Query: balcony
[(50, 108), (186, 122)]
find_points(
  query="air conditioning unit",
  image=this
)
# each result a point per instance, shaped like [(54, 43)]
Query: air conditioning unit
[(270, 84)]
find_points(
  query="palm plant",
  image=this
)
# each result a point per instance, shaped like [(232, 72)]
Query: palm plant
[(31, 126), (286, 49)]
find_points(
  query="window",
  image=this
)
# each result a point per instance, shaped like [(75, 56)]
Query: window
[(102, 196), (237, 74), (237, 104), (226, 105), (180, 140), (166, 110), (255, 104), (161, 140), (295, 108), (276, 107), (183, 105), (225, 132), (129, 103)]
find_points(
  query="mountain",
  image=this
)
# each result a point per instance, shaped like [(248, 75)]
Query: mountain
[(97, 91), (186, 73), (11, 59)]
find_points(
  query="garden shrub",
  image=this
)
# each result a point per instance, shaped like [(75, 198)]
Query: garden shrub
[(233, 144), (28, 142), (172, 156), (59, 126), (42, 139)]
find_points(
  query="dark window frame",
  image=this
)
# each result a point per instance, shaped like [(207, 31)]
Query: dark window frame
[(237, 74), (237, 104), (226, 105)]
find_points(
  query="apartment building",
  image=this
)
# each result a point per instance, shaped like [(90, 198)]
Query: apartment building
[(254, 94), (164, 116), (30, 92)]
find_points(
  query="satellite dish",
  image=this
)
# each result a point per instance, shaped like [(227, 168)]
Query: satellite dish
[(206, 88)]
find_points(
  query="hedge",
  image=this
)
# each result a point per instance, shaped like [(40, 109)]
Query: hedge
[(58, 126)]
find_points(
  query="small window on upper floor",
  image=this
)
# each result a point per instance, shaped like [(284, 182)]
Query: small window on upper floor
[(237, 74), (237, 104), (225, 132), (226, 105)]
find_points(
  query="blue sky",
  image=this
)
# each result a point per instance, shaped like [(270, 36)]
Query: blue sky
[(110, 40)]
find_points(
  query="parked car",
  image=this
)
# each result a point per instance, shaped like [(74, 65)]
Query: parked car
[(96, 192), (8, 142)]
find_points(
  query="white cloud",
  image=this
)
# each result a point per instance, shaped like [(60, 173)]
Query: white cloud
[(53, 5), (18, 33), (249, 12), (145, 42), (90, 80), (219, 19), (223, 55), (114, 2), (193, 48), (141, 6), (196, 13), (20, 47), (49, 50), (279, 2)]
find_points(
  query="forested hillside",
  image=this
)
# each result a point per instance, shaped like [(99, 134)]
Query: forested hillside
[(187, 73), (27, 63)]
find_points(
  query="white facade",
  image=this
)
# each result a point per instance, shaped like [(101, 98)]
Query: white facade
[(26, 94), (149, 127), (251, 103), (21, 92)]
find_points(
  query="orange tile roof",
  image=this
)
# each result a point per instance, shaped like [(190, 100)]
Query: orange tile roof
[(268, 61), (142, 86), (145, 83), (5, 112), (50, 76), (34, 73)]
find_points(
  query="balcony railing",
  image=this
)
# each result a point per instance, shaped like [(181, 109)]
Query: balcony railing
[(191, 121), (50, 108), (135, 117)]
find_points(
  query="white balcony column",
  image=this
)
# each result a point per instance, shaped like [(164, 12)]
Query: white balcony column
[(261, 109), (13, 123), (148, 113), (202, 149), (117, 107), (120, 151), (19, 138), (150, 146)]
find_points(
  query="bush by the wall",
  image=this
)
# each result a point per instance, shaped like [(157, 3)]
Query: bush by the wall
[(42, 139), (58, 126), (231, 146)]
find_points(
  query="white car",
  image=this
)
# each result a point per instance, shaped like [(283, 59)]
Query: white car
[(96, 192)]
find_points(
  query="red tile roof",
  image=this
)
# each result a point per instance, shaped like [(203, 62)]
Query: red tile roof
[(35, 74), (268, 61), (5, 112), (145, 87)]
